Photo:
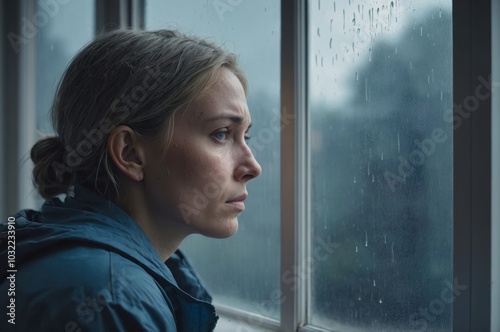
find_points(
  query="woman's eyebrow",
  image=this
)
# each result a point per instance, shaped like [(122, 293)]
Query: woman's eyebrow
[(234, 118)]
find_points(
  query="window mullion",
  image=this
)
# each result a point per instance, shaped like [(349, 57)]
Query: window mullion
[(472, 166), (112, 14), (294, 230)]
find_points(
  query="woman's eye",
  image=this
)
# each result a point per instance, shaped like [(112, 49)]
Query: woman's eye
[(221, 135)]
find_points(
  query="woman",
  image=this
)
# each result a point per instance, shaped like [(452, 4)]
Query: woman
[(150, 148)]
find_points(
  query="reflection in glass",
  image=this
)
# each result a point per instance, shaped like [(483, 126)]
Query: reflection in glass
[(380, 77), (243, 271)]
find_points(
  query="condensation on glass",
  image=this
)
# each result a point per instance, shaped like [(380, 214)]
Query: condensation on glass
[(380, 97), (242, 271)]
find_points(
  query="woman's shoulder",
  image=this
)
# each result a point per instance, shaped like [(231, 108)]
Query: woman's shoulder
[(92, 289)]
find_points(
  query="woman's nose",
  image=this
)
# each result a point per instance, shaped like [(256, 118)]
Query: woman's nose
[(248, 167)]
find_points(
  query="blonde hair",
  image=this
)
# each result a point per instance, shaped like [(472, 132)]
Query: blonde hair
[(124, 77)]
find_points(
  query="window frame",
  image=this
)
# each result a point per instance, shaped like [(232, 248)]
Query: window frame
[(472, 167), (472, 152)]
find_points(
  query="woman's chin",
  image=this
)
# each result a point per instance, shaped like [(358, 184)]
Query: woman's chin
[(224, 231)]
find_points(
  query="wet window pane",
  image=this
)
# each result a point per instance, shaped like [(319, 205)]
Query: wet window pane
[(242, 271), (380, 75)]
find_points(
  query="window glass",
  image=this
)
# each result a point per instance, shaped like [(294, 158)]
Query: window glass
[(380, 97), (242, 271), (63, 28)]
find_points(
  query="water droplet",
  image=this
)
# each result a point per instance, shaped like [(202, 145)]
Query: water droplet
[(374, 283), (440, 13), (366, 89), (399, 144), (382, 156), (385, 238), (441, 95), (331, 41), (343, 11), (411, 65), (319, 4), (370, 55), (357, 76), (354, 179), (421, 30), (317, 31), (380, 301), (334, 7), (392, 253), (353, 18), (357, 249), (366, 239), (373, 177)]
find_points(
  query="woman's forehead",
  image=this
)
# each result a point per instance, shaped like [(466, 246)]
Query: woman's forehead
[(224, 99)]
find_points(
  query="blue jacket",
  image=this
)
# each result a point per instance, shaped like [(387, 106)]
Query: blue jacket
[(85, 265)]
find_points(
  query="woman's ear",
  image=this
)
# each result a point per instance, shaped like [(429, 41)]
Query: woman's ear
[(127, 152)]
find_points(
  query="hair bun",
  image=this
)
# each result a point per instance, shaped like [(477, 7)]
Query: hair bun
[(50, 175), (50, 145)]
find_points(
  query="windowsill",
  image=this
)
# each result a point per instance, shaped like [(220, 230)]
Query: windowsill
[(229, 324), (234, 320)]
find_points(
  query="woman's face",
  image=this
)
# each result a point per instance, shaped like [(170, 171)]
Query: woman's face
[(200, 182)]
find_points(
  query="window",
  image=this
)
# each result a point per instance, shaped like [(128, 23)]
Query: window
[(372, 122), (380, 86), (69, 26)]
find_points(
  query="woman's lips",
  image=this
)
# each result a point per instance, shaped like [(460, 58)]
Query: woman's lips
[(238, 202)]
